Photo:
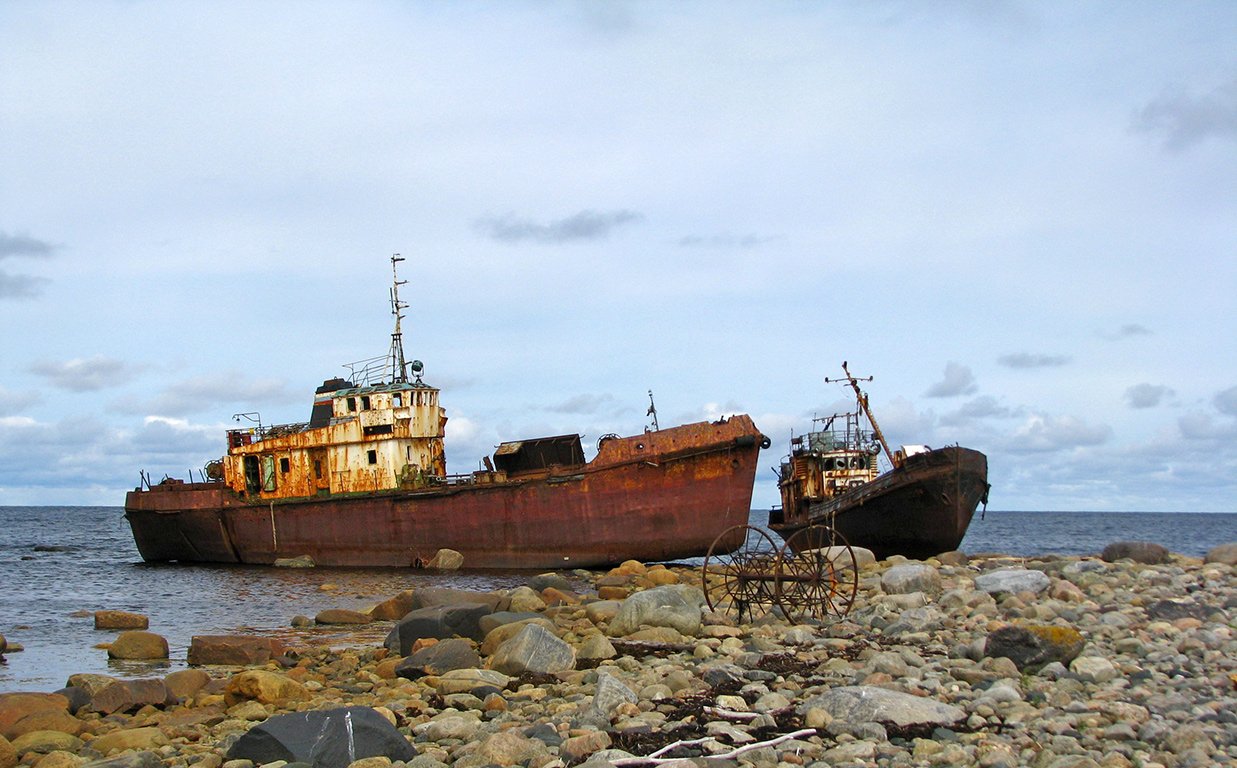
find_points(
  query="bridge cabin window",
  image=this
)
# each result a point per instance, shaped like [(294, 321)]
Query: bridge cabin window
[(284, 465), (373, 457), (397, 400), (365, 403), (351, 405)]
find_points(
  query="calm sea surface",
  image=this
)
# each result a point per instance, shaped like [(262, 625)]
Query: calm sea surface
[(59, 564)]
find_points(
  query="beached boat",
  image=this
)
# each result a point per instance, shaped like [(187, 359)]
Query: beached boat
[(364, 482), (920, 507)]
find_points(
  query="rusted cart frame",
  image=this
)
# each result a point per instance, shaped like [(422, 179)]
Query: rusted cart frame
[(813, 574)]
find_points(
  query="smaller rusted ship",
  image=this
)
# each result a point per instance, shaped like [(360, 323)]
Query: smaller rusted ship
[(920, 507), (364, 482)]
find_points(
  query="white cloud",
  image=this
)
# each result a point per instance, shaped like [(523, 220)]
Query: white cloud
[(585, 225), (1044, 432), (958, 381), (1185, 119), (210, 391), (15, 402), (88, 375), (1030, 360)]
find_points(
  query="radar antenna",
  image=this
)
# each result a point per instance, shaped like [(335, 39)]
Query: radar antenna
[(399, 373)]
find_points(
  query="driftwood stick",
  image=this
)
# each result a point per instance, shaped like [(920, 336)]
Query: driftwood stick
[(730, 714), (654, 759)]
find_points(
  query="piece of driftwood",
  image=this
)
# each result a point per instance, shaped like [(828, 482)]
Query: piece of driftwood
[(654, 758)]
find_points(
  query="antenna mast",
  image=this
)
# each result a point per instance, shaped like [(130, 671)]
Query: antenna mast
[(863, 403), (399, 374)]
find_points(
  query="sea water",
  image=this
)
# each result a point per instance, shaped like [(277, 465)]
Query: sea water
[(60, 564)]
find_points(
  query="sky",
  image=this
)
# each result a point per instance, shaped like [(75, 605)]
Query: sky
[(1018, 218)]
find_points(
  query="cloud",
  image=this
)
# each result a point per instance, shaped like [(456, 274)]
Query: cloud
[(1226, 401), (582, 404), (985, 407), (1028, 360), (14, 402), (24, 245), (1185, 120), (1203, 426), (1147, 395), (585, 225), (79, 375), (1127, 331), (22, 286), (958, 381), (205, 392), (725, 240), (1042, 433)]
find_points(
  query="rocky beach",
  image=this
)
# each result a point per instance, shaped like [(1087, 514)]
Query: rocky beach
[(1124, 659)]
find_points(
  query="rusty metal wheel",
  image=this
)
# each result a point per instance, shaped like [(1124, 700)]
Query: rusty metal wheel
[(739, 572), (816, 574)]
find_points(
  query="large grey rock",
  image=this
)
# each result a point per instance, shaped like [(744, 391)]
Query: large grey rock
[(438, 658), (494, 620), (126, 695), (1138, 551), (1012, 580), (1224, 553), (441, 622), (675, 606), (869, 704), (1033, 646), (610, 693), (331, 738), (433, 596), (911, 577), (534, 650), (1171, 610)]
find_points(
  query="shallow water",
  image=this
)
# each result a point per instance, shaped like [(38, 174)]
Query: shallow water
[(57, 563)]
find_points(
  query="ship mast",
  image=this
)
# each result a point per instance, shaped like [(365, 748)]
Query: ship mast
[(863, 403), (399, 373)]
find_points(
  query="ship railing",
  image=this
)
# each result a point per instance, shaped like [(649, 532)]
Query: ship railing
[(239, 437), (368, 373)]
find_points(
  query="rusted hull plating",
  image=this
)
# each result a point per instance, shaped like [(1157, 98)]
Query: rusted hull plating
[(661, 495), (918, 510)]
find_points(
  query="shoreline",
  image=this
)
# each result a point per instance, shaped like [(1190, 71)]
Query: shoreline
[(1044, 661)]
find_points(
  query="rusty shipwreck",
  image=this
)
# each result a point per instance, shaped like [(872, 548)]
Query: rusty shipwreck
[(922, 506), (364, 483)]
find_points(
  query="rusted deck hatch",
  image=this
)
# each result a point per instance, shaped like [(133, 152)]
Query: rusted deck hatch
[(532, 455)]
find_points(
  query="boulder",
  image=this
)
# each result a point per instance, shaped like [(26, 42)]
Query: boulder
[(1032, 646), (911, 577), (301, 561), (438, 658), (1139, 551), (184, 683), (77, 697), (90, 683), (1172, 610), (596, 647), (120, 620), (8, 755), (46, 741), (395, 608), (148, 738), (676, 606), (533, 650), (45, 720), (434, 596), (60, 759), (465, 680), (610, 694), (1224, 553), (551, 581), (953, 557), (505, 632), (129, 760), (490, 622), (15, 706), (232, 650), (332, 738), (446, 560), (265, 687), (442, 622), (125, 695), (342, 616), (1012, 580), (509, 748), (870, 704), (138, 645)]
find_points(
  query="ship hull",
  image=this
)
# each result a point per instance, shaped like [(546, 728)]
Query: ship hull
[(918, 510), (658, 496)]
